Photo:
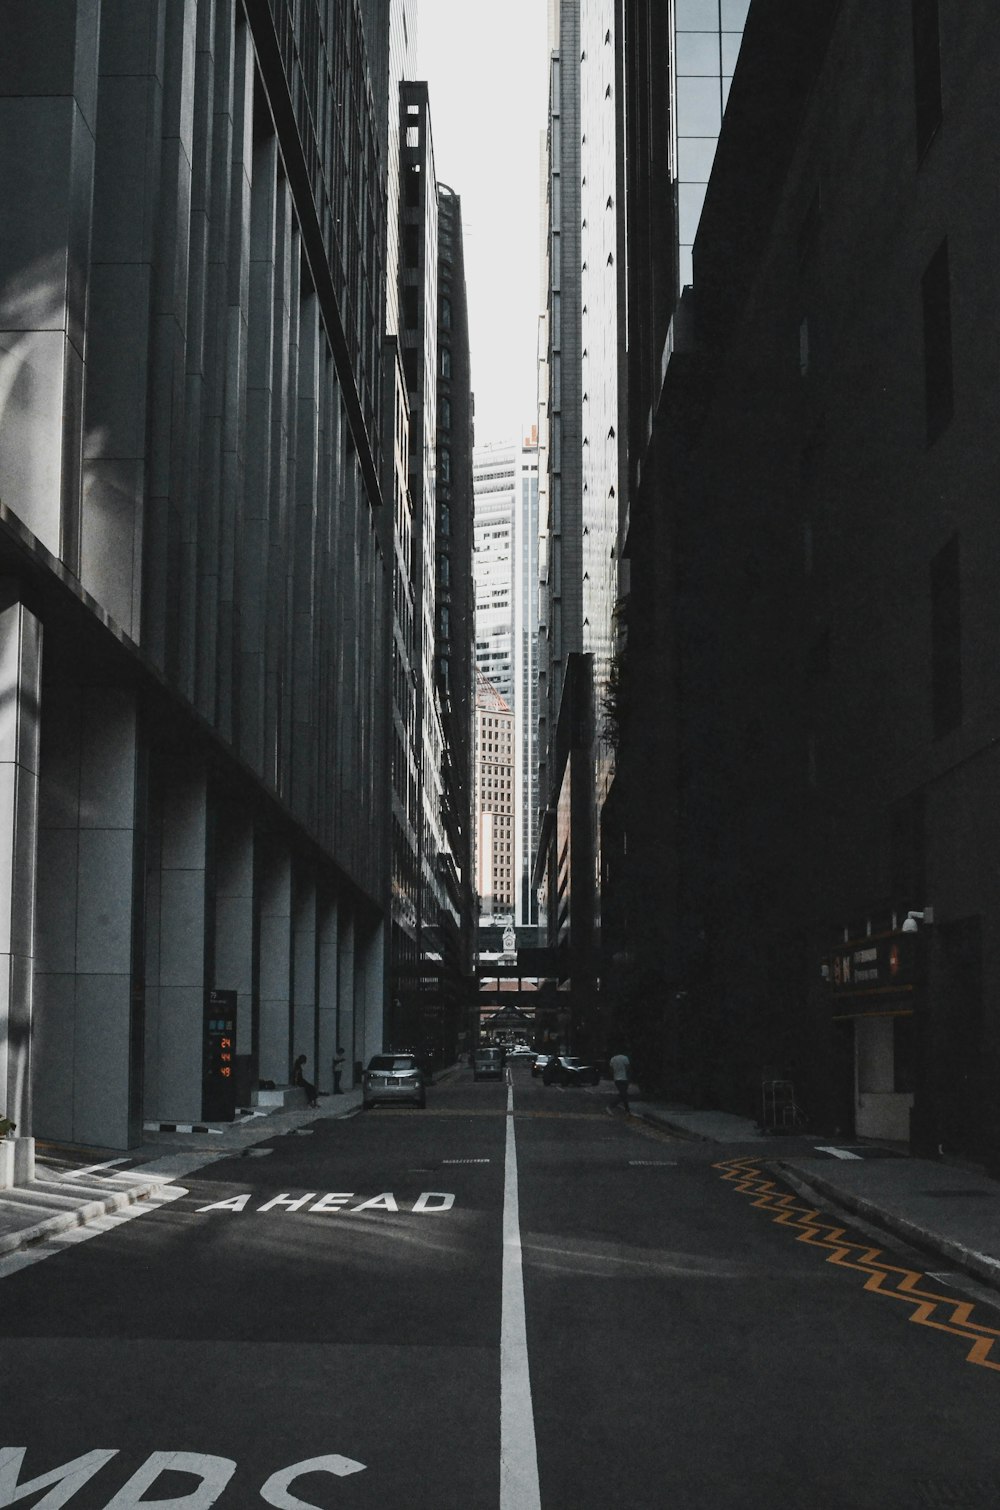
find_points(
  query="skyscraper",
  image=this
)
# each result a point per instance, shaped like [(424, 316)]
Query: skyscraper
[(192, 307), (584, 486), (506, 576)]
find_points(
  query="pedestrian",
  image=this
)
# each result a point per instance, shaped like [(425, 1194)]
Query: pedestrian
[(338, 1070), (298, 1078), (621, 1070)]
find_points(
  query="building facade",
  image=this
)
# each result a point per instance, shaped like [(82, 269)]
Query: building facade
[(827, 437), (506, 578), (455, 621), (192, 300), (496, 825), (579, 526)]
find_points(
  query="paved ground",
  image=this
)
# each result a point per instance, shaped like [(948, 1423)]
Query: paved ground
[(464, 1308)]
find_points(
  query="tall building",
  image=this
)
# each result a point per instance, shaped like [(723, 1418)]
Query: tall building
[(525, 646), (578, 555), (676, 68), (506, 620), (191, 382), (455, 623), (820, 593), (390, 31), (419, 988), (496, 822)]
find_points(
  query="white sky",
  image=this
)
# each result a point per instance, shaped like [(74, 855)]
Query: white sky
[(486, 67)]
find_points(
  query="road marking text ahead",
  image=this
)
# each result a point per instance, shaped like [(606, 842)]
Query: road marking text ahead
[(336, 1200)]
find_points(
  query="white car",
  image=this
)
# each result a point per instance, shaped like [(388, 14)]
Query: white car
[(393, 1077)]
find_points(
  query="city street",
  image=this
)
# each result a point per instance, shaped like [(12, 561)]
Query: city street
[(330, 1320)]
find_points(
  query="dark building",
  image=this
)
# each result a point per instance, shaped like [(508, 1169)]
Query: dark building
[(455, 622), (817, 497), (192, 306)]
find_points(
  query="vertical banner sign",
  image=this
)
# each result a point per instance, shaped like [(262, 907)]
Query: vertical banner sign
[(219, 1057)]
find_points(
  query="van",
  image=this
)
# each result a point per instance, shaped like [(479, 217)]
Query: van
[(487, 1064)]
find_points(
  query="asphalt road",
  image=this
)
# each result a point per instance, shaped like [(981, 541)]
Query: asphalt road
[(385, 1310)]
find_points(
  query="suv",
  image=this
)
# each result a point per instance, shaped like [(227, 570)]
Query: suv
[(487, 1064), (393, 1077)]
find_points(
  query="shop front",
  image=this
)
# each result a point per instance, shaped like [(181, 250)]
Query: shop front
[(873, 984)]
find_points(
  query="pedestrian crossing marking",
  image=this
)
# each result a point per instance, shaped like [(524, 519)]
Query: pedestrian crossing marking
[(883, 1278)]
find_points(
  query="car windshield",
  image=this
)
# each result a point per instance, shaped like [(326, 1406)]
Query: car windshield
[(392, 1062), (487, 1053), (571, 1062)]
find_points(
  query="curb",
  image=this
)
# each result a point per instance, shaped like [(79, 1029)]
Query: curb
[(979, 1265), (680, 1132), (64, 1220)]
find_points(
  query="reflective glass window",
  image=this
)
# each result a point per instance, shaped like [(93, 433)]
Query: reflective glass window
[(734, 14), (697, 52), (699, 107), (731, 41), (695, 156), (697, 15)]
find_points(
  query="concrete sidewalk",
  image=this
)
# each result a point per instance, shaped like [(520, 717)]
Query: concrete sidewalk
[(947, 1211), (73, 1187), (70, 1189)]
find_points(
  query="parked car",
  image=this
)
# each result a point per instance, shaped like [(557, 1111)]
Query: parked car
[(566, 1069), (487, 1064), (393, 1077), (520, 1051), (541, 1060)]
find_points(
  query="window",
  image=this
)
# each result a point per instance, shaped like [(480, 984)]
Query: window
[(946, 640), (446, 313), (926, 72), (936, 292), (445, 363)]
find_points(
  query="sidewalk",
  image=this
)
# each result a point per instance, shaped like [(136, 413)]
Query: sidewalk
[(949, 1212), (69, 1190)]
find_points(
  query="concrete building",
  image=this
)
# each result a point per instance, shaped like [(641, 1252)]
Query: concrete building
[(455, 621), (496, 825), (826, 432), (506, 577), (191, 307)]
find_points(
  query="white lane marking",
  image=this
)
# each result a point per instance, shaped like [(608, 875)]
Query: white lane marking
[(838, 1153), (518, 1453), (465, 1161), (653, 1163), (77, 1174)]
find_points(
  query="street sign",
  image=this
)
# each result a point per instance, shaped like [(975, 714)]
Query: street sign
[(219, 1057)]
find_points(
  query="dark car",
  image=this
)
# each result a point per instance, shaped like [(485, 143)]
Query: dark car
[(566, 1069), (539, 1063)]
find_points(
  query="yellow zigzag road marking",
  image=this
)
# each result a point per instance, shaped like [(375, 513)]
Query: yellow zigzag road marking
[(783, 1207)]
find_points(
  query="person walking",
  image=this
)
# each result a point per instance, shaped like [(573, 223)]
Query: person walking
[(621, 1070), (298, 1078), (338, 1070)]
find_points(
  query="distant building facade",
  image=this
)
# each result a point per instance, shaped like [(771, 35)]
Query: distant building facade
[(506, 576), (496, 824)]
